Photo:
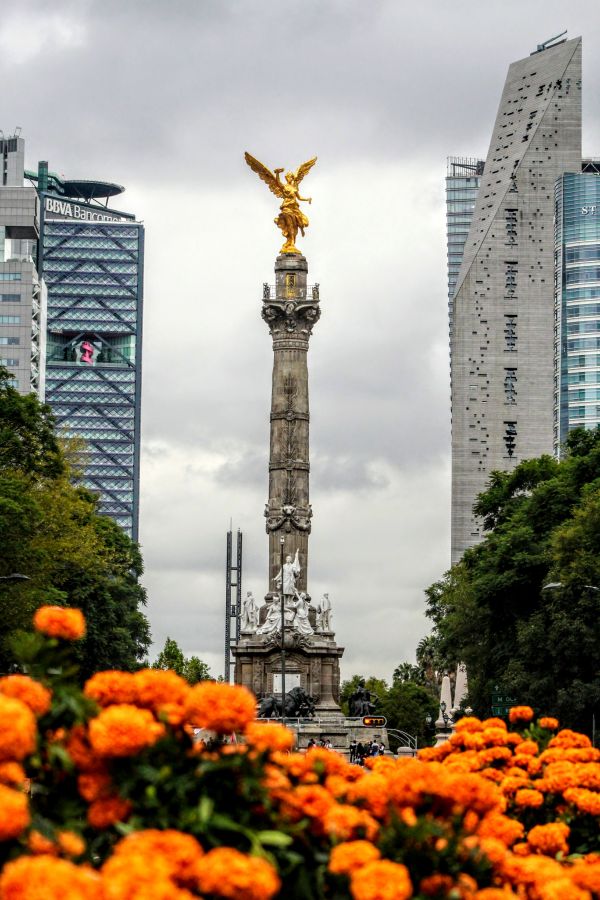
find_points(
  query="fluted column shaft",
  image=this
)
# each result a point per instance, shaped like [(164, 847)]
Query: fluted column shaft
[(290, 315)]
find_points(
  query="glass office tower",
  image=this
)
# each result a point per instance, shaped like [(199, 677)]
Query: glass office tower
[(463, 176), (577, 302), (92, 259)]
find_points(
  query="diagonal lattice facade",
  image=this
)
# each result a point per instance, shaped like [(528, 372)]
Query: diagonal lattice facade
[(93, 271)]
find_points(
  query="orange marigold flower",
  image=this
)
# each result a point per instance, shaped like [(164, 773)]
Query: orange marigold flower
[(568, 738), (18, 730), (381, 880), (502, 827), (30, 692), (492, 893), (38, 843), (549, 839), (93, 785), (548, 722), (494, 723), (14, 813), (589, 776), (228, 873), (106, 811), (559, 776), (124, 730), (520, 714), (562, 889), (468, 723), (78, 748), (436, 885), (35, 877), (224, 708), (156, 688), (466, 886), (140, 877), (494, 754), (180, 851), (494, 849), (529, 798), (12, 773), (265, 737), (586, 801), (70, 843), (347, 822), (372, 790), (492, 774), (310, 800), (529, 748), (60, 622), (111, 687), (586, 874), (352, 855)]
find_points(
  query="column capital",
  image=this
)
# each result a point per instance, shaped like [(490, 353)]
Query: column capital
[(291, 319)]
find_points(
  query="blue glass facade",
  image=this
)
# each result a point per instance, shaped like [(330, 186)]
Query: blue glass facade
[(577, 304), (94, 275), (462, 184)]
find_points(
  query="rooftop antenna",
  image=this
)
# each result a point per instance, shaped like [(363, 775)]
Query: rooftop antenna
[(551, 42)]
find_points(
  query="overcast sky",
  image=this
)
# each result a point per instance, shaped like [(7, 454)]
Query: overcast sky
[(164, 97)]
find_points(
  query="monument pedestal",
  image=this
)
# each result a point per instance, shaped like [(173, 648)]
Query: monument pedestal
[(312, 664)]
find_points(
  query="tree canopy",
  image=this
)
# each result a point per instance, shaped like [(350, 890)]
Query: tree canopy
[(521, 608), (191, 668), (50, 532)]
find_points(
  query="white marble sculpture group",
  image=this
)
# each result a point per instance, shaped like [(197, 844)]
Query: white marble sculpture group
[(295, 606)]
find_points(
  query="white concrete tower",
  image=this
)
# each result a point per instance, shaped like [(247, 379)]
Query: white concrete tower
[(503, 311)]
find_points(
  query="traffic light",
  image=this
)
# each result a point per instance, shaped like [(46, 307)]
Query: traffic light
[(374, 721)]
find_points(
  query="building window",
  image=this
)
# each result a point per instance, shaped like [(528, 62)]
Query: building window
[(510, 332), (510, 437), (9, 362), (10, 276), (10, 320), (11, 341), (10, 298), (510, 385)]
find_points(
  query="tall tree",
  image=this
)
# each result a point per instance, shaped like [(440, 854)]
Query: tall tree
[(191, 668), (521, 607), (51, 533)]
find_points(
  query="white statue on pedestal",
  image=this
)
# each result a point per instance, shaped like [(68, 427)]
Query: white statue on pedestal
[(301, 622), (249, 613), (324, 613), (273, 621), (291, 570)]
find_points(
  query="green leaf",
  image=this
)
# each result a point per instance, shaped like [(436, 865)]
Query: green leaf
[(274, 838)]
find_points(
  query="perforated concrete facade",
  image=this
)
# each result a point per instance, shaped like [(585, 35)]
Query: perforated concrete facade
[(503, 335)]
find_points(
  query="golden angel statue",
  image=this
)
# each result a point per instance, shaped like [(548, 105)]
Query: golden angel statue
[(291, 219)]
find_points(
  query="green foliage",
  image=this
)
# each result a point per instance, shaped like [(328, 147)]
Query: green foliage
[(50, 532), (495, 611), (28, 442), (406, 704), (406, 707), (407, 672), (192, 668), (377, 686)]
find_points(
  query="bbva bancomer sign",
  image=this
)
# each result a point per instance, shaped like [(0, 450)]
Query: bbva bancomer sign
[(70, 210)]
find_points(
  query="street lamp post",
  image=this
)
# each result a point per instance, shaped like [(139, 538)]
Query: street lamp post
[(282, 595)]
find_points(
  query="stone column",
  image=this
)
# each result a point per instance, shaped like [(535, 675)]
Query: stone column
[(290, 314)]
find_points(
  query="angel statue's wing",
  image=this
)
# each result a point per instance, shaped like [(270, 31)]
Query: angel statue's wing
[(264, 174), (304, 169)]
